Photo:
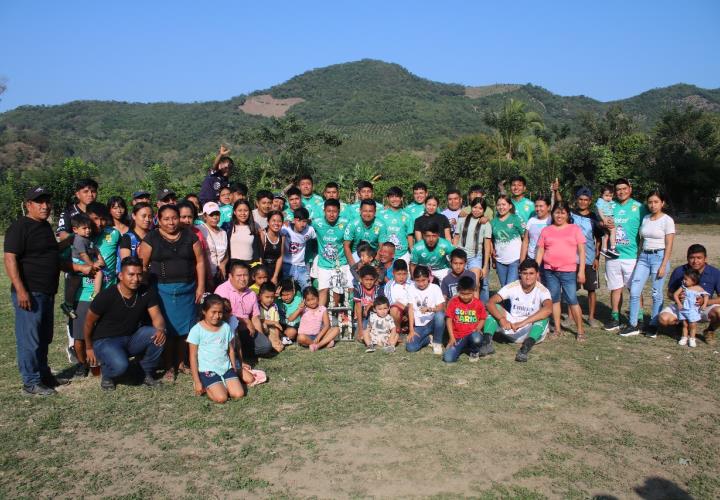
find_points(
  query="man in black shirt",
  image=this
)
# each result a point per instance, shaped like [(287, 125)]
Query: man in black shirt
[(114, 327), (32, 262)]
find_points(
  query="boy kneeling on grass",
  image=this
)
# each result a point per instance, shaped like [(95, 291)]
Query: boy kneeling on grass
[(465, 317), (530, 308)]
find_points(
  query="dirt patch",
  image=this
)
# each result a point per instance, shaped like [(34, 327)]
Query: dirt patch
[(486, 90), (267, 105)]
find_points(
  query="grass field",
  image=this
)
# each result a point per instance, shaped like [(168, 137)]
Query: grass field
[(614, 417)]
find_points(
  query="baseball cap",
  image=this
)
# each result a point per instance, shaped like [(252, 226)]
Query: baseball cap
[(140, 194), (210, 207), (165, 193), (279, 196), (33, 194), (583, 191)]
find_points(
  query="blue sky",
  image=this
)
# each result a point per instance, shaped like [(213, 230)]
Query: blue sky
[(54, 52)]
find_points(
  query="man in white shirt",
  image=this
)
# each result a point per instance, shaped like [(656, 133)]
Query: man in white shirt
[(527, 320)]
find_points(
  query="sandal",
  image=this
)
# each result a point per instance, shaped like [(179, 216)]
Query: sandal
[(169, 375), (581, 337), (555, 334)]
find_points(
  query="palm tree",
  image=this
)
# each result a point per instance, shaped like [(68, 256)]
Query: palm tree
[(510, 125)]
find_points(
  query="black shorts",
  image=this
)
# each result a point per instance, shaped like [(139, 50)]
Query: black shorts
[(591, 280)]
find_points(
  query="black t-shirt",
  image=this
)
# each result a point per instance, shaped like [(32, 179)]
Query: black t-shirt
[(422, 222), (64, 221), (38, 256), (172, 262), (120, 317)]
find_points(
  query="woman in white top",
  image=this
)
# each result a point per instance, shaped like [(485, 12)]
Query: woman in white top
[(243, 234), (217, 243), (657, 232), (534, 227)]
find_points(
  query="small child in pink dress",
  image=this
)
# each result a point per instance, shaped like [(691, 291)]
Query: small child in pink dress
[(314, 330)]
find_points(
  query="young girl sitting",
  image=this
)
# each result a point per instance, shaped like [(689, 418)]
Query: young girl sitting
[(212, 354), (688, 308), (314, 330)]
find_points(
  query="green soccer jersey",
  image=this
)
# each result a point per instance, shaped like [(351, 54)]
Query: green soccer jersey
[(398, 228), (524, 208), (628, 217), (226, 212), (436, 258), (414, 210), (330, 242), (507, 237), (314, 204), (356, 231)]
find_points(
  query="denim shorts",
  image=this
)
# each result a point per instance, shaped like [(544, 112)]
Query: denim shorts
[(565, 281), (208, 379), (474, 262)]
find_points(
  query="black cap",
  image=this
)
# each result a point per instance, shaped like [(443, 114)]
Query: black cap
[(140, 194), (33, 194), (164, 193)]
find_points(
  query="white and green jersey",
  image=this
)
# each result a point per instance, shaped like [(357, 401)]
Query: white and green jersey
[(507, 237), (628, 217), (226, 212), (436, 258), (398, 228), (524, 208), (414, 210), (374, 234), (330, 239)]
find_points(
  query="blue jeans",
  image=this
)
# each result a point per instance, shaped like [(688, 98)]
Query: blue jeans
[(648, 264), (113, 352), (33, 334), (468, 343), (485, 290), (565, 281), (299, 273), (507, 273), (435, 327)]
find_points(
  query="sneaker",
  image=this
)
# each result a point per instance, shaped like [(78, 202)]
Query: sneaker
[(286, 341), (651, 331), (68, 310), (609, 254), (38, 390), (629, 331), (692, 343), (474, 357), (437, 349), (81, 371), (151, 381), (52, 381), (107, 384), (370, 348), (389, 349), (612, 325), (683, 341), (487, 349), (524, 351)]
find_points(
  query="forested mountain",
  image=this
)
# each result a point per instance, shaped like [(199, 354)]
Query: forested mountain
[(376, 107)]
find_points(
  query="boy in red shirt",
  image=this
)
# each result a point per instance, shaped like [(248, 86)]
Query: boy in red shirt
[(465, 317)]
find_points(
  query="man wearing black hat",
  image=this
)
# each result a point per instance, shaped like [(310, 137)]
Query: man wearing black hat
[(218, 178), (85, 193), (166, 197), (140, 196), (32, 262)]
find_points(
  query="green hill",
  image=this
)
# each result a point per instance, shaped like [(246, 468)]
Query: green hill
[(379, 108)]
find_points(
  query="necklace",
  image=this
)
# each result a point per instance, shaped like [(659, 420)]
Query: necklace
[(125, 301), (170, 240)]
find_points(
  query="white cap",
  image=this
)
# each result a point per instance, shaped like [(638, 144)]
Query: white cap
[(210, 207)]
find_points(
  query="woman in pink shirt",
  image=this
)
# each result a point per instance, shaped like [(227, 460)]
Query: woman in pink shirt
[(561, 254)]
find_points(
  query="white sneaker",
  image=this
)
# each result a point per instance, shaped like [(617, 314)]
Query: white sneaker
[(286, 341), (683, 341), (437, 349), (692, 343)]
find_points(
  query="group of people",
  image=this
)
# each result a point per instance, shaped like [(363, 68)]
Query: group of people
[(203, 284)]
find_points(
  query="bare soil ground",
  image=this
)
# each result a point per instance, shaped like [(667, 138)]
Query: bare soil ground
[(267, 105), (623, 418)]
